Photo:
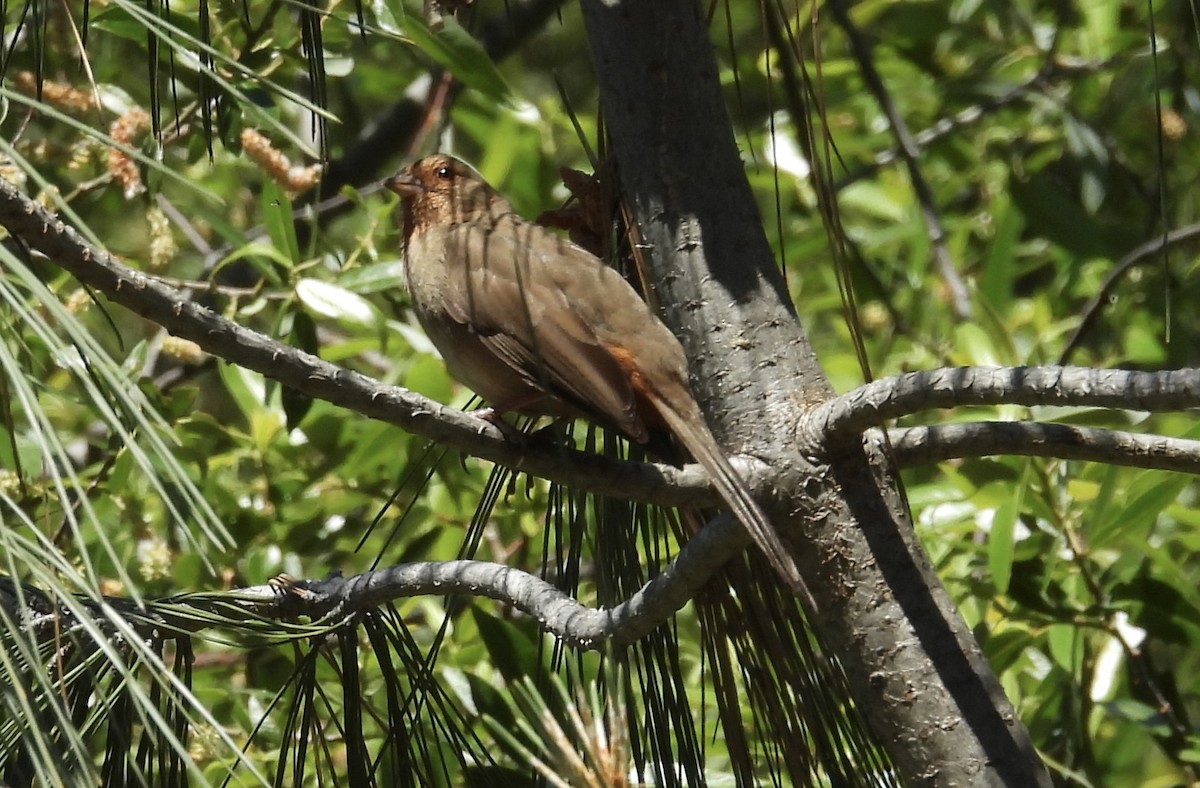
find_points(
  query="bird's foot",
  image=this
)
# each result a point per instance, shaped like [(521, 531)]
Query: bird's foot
[(495, 417)]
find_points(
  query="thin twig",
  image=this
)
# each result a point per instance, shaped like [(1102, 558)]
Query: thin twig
[(1134, 258), (960, 298), (1052, 71)]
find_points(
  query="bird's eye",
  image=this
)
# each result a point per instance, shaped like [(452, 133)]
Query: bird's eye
[(443, 173)]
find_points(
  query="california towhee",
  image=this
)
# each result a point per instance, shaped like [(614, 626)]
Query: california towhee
[(535, 324)]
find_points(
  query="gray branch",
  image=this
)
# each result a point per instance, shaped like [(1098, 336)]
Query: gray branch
[(558, 613), (336, 599), (842, 419), (929, 444)]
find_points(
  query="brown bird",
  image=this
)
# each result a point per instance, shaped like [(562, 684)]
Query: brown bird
[(535, 324)]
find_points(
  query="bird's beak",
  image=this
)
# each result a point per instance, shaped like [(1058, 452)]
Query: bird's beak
[(404, 184)]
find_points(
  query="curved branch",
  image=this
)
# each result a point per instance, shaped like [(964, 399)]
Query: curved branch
[(653, 483), (337, 599), (842, 419), (557, 612), (930, 444)]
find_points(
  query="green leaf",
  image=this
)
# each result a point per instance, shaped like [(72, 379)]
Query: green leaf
[(428, 376), (1066, 647), (976, 346), (1085, 144), (261, 256), (248, 389), (1000, 540), (873, 200), (1143, 345), (1147, 498), (490, 702), (1159, 608), (1051, 212), (513, 650), (1000, 266), (1140, 713), (279, 221), (1005, 649), (455, 50), (1191, 753), (374, 278), (337, 303)]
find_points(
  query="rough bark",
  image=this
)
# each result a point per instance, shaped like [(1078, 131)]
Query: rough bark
[(931, 698)]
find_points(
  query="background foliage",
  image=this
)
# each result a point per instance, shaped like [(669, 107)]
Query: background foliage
[(1053, 138)]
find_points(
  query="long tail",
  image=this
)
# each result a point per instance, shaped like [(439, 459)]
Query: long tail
[(695, 436)]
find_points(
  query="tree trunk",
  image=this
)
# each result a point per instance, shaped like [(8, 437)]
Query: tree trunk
[(918, 674)]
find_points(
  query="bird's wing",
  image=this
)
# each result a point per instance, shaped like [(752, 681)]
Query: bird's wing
[(512, 299)]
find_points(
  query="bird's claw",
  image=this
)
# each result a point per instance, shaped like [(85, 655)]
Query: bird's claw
[(494, 417)]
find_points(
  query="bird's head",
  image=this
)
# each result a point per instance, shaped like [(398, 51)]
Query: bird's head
[(440, 189)]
